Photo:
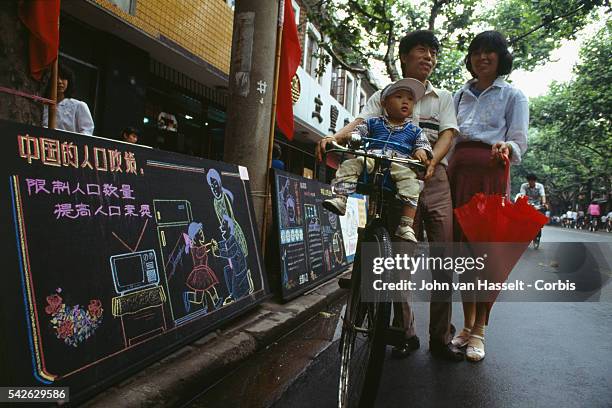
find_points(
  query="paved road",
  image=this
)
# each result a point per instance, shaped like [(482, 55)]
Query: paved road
[(538, 355)]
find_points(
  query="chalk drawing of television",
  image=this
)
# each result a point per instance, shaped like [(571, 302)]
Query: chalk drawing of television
[(134, 271)]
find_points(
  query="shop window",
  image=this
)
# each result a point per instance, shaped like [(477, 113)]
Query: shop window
[(363, 98), (337, 84), (311, 55), (349, 94)]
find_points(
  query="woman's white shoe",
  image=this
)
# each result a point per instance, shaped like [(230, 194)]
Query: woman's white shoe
[(461, 340), (474, 352)]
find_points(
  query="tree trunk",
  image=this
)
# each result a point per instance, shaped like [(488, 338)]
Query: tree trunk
[(15, 70)]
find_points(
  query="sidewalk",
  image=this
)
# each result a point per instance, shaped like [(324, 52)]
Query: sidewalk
[(180, 376)]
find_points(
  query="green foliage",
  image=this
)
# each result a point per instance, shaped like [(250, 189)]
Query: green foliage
[(571, 128), (362, 30)]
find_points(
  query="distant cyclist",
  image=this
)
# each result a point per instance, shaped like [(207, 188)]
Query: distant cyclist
[(536, 197)]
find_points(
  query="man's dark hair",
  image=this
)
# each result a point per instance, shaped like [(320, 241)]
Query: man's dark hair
[(66, 73), (491, 41), (276, 151), (129, 130), (418, 37), (532, 176)]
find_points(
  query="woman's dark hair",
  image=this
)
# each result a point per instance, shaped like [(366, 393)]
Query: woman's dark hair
[(418, 37), (491, 41), (66, 73)]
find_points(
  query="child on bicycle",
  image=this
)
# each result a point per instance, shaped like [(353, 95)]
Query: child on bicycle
[(406, 139)]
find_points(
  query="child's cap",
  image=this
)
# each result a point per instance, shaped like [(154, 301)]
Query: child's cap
[(409, 84)]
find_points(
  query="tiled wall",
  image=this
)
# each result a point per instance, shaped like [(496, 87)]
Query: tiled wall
[(203, 27)]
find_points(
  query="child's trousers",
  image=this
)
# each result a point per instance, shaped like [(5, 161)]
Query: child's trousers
[(408, 186)]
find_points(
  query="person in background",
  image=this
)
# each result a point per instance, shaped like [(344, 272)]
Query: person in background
[(130, 134), (594, 212), (72, 115), (277, 163)]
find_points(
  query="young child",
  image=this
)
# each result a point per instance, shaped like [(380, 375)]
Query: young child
[(398, 101)]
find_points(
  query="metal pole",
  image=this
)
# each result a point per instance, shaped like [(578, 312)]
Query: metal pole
[(251, 83)]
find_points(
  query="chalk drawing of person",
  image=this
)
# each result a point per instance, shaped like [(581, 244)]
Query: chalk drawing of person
[(237, 275), (202, 279), (223, 200)]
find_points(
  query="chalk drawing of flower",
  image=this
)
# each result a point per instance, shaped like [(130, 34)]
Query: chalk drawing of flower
[(73, 324), (55, 303)]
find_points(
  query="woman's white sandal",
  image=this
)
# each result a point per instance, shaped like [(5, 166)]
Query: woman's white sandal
[(473, 353), (461, 340)]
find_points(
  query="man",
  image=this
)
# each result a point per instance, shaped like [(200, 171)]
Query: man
[(435, 114), (534, 191), (535, 195), (130, 134)]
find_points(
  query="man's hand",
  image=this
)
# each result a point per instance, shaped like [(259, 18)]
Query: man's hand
[(431, 167), (501, 149), (321, 146)]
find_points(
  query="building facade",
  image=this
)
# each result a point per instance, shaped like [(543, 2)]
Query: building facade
[(163, 66)]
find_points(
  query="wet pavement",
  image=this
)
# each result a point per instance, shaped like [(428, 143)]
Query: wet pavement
[(264, 378), (538, 355)]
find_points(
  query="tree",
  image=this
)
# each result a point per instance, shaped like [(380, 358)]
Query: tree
[(370, 30), (14, 70), (571, 127)]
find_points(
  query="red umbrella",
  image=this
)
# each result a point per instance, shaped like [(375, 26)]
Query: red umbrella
[(492, 218)]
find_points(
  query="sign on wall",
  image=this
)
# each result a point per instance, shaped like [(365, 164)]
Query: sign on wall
[(355, 217), (119, 253), (309, 237)]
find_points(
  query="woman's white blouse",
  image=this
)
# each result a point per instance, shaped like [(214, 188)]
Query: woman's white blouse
[(499, 114), (72, 115)]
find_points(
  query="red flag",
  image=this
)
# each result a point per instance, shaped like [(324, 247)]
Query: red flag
[(41, 18), (291, 55)]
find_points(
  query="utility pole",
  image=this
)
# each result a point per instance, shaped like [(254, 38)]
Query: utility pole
[(251, 89)]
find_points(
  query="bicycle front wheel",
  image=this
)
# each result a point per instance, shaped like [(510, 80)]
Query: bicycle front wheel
[(362, 343)]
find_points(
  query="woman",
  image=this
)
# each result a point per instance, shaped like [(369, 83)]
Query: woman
[(493, 118), (72, 115)]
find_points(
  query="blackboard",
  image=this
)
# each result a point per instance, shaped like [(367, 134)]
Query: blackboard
[(118, 254), (311, 245)]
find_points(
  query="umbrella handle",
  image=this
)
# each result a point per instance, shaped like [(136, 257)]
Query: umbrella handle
[(506, 173)]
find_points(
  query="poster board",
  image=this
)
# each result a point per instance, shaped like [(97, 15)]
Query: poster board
[(310, 240), (355, 217), (118, 255)]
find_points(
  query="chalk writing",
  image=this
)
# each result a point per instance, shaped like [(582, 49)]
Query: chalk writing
[(81, 210), (52, 152)]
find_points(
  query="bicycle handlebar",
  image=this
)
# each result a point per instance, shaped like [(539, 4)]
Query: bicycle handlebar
[(364, 153)]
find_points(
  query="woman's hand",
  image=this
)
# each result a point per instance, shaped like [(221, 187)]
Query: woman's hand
[(500, 150)]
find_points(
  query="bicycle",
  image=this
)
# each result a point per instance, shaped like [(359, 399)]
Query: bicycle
[(366, 329), (536, 240)]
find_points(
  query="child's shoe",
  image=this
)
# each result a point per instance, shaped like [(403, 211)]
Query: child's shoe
[(404, 229), (337, 205)]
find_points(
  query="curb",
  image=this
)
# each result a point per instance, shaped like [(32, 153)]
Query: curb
[(180, 376)]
